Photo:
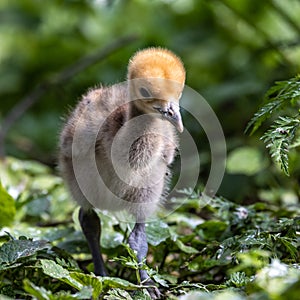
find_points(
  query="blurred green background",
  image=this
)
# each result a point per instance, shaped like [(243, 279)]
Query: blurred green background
[(233, 52)]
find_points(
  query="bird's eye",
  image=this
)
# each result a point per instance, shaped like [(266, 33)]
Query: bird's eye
[(145, 93)]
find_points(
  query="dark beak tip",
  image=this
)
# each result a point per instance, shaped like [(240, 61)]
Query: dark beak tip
[(174, 118), (177, 122)]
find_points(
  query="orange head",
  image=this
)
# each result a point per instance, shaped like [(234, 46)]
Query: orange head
[(156, 80)]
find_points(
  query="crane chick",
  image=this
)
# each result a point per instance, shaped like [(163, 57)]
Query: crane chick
[(117, 145)]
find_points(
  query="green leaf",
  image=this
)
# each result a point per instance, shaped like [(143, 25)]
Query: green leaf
[(212, 229), (222, 295), (111, 238), (56, 271), (186, 286), (245, 160), (237, 279), (130, 260), (160, 280), (46, 182), (184, 248), (29, 166), (276, 278), (114, 282), (157, 232), (7, 208), (292, 249), (39, 293), (13, 250), (252, 260), (38, 206), (42, 294), (89, 280), (203, 264), (118, 294)]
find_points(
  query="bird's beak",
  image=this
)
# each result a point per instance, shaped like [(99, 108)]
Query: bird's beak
[(172, 113)]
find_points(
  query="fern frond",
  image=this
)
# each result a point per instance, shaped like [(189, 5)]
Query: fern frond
[(263, 114), (279, 138), (278, 97)]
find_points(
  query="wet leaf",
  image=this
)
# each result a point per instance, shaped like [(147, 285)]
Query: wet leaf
[(56, 271), (13, 250), (157, 232), (89, 280)]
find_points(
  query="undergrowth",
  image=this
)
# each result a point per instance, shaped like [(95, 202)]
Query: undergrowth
[(209, 248)]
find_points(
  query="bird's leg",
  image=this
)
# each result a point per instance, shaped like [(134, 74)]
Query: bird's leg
[(138, 241), (91, 227)]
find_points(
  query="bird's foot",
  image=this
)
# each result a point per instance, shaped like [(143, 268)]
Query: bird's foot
[(152, 289)]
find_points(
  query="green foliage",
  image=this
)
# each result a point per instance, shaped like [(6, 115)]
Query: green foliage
[(210, 248), (281, 135), (43, 294), (238, 280), (7, 207), (14, 250)]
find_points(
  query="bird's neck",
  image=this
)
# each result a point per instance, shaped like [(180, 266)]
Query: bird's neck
[(147, 121), (135, 111)]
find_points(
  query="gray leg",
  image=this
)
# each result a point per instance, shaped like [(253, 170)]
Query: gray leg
[(91, 227), (138, 241)]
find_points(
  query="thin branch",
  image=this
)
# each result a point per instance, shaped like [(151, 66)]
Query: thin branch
[(25, 103)]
